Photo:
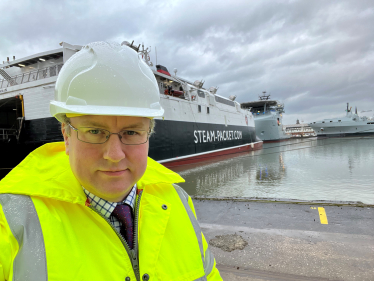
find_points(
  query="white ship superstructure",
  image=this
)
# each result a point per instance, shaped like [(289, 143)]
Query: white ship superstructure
[(267, 114), (197, 124), (349, 125)]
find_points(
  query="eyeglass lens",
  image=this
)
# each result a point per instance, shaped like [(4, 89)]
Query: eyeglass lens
[(96, 135)]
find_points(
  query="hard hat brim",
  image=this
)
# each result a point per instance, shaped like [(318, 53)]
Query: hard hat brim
[(58, 109)]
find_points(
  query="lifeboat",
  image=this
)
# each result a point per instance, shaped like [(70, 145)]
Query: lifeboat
[(173, 93)]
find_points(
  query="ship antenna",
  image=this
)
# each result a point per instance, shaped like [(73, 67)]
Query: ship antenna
[(264, 96), (145, 54)]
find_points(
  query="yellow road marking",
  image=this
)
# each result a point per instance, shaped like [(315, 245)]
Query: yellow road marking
[(313, 208), (322, 215)]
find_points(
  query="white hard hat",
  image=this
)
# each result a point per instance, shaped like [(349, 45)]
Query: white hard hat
[(106, 79)]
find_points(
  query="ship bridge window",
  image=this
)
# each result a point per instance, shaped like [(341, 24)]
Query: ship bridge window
[(201, 94), (224, 101), (339, 120), (330, 121), (371, 123), (323, 121)]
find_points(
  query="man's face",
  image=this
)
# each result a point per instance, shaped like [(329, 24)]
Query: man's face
[(111, 169)]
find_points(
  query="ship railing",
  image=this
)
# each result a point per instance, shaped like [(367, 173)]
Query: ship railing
[(5, 133), (299, 130), (267, 112), (32, 75), (303, 130)]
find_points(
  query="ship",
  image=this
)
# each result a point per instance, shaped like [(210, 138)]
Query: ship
[(267, 114), (349, 125), (198, 123)]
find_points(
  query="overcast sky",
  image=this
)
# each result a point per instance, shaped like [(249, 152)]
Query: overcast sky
[(315, 56)]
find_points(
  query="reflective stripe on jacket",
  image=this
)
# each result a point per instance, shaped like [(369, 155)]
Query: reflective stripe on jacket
[(48, 233)]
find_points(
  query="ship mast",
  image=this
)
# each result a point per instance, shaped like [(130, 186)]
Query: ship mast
[(145, 55), (264, 97), (143, 52)]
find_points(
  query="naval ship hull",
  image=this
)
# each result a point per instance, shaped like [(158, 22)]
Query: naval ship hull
[(268, 130), (344, 131), (350, 125), (267, 116)]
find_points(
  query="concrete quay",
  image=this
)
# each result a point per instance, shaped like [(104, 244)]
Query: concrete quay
[(289, 240)]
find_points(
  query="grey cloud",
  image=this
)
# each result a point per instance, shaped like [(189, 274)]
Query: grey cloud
[(313, 55)]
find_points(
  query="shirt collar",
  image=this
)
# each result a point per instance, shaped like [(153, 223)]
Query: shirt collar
[(106, 207)]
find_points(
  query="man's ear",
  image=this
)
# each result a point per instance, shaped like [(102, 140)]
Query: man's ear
[(66, 138)]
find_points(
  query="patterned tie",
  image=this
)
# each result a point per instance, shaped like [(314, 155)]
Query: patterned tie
[(123, 214)]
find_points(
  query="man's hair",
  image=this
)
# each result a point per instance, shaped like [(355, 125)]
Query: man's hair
[(66, 120)]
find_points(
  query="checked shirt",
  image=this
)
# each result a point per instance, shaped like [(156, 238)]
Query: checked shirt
[(106, 207)]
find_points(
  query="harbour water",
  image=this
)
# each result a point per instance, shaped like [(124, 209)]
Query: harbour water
[(338, 169)]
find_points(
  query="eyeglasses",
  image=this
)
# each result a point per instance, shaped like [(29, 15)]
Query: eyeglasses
[(99, 136)]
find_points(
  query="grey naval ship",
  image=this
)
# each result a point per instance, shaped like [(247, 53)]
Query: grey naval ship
[(349, 125), (198, 123), (267, 115)]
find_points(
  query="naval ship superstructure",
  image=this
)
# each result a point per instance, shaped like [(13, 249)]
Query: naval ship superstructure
[(267, 114), (197, 123), (349, 125)]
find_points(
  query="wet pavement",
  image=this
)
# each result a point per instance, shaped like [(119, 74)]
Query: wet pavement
[(289, 241)]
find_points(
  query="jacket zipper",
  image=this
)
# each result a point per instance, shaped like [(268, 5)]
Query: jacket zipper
[(133, 254)]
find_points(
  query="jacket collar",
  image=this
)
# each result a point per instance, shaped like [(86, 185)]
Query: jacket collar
[(46, 172)]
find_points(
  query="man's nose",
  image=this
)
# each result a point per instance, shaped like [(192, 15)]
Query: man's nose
[(114, 149)]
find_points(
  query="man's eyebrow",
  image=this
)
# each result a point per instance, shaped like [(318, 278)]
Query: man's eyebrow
[(92, 124), (138, 125)]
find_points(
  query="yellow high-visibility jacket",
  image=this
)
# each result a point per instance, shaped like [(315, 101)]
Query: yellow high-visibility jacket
[(49, 232)]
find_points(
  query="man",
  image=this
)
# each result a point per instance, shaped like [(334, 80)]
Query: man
[(94, 207)]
